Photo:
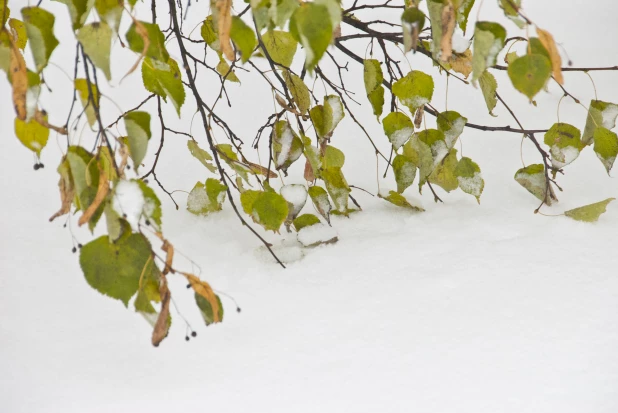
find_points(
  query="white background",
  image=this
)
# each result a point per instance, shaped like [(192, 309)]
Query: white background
[(463, 308)]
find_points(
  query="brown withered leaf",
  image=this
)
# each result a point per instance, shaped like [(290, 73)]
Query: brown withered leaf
[(309, 175), (19, 78), (162, 325), (39, 116), (123, 151), (448, 27), (169, 258), (224, 26), (556, 61), (67, 191), (203, 288), (261, 170), (102, 191), (141, 30), (462, 62), (418, 117)]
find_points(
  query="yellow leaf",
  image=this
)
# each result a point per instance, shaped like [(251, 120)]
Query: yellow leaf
[(19, 79), (204, 289), (462, 63), (556, 61)]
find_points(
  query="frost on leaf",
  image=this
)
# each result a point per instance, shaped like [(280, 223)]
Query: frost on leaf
[(287, 146), (405, 172), (469, 177), (337, 188), (114, 269), (396, 198), (316, 234), (606, 146), (414, 90), (444, 174), (206, 198), (530, 73), (452, 125), (489, 40), (600, 114), (398, 128), (589, 213), (319, 197), (373, 78), (565, 143), (532, 177)]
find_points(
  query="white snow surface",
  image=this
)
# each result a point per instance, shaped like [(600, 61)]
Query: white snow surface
[(464, 308), (316, 234), (129, 201)]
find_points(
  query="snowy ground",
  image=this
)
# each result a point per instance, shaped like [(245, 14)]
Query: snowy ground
[(463, 308)]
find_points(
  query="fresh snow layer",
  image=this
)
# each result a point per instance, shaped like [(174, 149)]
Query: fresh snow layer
[(464, 308), (129, 201), (317, 234)]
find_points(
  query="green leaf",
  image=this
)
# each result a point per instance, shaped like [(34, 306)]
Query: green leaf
[(156, 49), (206, 198), (319, 197), (488, 84), (532, 177), (305, 220), (436, 142), (114, 269), (334, 11), (396, 198), (115, 227), (206, 309), (333, 158), (137, 124), (337, 187), (435, 8), (510, 8), (96, 39), (463, 11), (600, 114), (469, 178), (85, 175), (444, 174), (452, 124), (81, 85), (201, 155), (40, 29), (110, 11), (152, 205), (5, 12), (165, 80), (606, 147), (311, 25), (269, 209), (312, 156), (78, 10), (373, 85), (565, 144), (420, 155), (281, 46), (243, 37), (280, 11), (287, 146), (210, 35), (405, 172), (412, 22), (589, 213), (414, 90), (18, 29), (530, 73), (299, 91), (32, 134), (398, 128), (224, 69), (489, 40)]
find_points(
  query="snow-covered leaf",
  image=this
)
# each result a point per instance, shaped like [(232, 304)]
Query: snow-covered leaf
[(565, 143), (396, 198), (606, 146), (532, 177), (319, 197), (414, 90), (469, 177), (489, 40), (600, 114), (206, 198), (398, 128)]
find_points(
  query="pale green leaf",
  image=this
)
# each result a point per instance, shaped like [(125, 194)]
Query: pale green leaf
[(152, 205), (414, 90), (412, 22), (373, 78), (489, 40), (488, 84), (337, 188), (420, 154), (311, 25), (452, 124), (78, 10), (84, 90), (469, 178), (268, 209), (600, 114), (40, 29), (333, 158), (281, 46), (226, 72), (444, 174), (96, 39), (299, 91), (110, 11), (210, 35), (137, 124), (156, 49), (396, 198), (606, 146), (589, 213), (530, 73), (287, 146), (405, 172), (243, 37), (165, 80), (201, 155)]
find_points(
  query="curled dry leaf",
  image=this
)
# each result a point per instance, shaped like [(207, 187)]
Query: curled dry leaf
[(123, 151), (309, 175), (102, 192), (418, 117), (203, 288), (19, 79), (141, 30), (39, 116), (448, 27), (169, 258), (162, 325), (67, 192), (225, 25), (259, 169), (556, 61)]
